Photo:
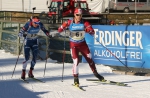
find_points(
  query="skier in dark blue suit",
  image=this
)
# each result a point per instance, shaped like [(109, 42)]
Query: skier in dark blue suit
[(30, 31)]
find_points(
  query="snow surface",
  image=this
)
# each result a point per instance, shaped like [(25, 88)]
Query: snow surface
[(138, 86)]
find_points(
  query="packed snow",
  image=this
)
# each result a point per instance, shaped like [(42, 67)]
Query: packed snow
[(54, 87)]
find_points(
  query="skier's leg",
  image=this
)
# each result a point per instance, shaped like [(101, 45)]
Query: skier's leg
[(87, 55), (23, 74), (33, 62), (75, 58), (30, 73), (27, 55)]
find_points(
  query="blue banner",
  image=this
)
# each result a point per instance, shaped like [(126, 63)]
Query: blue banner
[(120, 45)]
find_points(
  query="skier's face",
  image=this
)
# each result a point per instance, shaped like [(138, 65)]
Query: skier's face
[(35, 22), (78, 16), (34, 25)]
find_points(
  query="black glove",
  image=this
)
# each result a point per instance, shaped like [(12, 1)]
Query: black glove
[(50, 36), (24, 35)]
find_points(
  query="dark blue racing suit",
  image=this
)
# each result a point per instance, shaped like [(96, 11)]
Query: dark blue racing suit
[(31, 41)]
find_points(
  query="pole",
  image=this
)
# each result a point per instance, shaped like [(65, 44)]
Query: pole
[(18, 57), (63, 58), (46, 56), (23, 5), (34, 8), (29, 5), (113, 55), (136, 11), (45, 64), (0, 5), (108, 5), (135, 7)]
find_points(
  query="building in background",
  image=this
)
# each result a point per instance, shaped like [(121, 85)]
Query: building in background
[(23, 5)]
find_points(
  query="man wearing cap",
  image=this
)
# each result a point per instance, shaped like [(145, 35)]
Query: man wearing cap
[(29, 31), (78, 27)]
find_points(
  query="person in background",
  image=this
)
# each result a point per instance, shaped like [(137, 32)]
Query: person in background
[(30, 31), (78, 27)]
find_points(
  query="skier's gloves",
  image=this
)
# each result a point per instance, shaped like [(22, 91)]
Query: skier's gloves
[(47, 34), (22, 35)]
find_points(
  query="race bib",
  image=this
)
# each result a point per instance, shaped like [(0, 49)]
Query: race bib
[(31, 35), (77, 35)]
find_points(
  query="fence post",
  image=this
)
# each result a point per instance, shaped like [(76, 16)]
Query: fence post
[(10, 15), (4, 15), (1, 28)]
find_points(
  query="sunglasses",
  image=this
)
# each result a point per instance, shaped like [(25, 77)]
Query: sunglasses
[(36, 22), (78, 15)]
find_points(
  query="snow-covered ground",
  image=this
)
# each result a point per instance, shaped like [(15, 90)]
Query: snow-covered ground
[(138, 86)]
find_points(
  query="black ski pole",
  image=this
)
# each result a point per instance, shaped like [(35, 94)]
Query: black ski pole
[(46, 59), (63, 57), (18, 57), (114, 55), (45, 66)]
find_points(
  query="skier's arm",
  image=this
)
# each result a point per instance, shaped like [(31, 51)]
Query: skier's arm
[(44, 29), (88, 28), (23, 30), (60, 29), (64, 26)]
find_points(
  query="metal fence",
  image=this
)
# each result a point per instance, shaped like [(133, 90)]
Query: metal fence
[(12, 21), (53, 48)]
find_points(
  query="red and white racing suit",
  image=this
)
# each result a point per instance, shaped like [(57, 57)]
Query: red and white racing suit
[(77, 42)]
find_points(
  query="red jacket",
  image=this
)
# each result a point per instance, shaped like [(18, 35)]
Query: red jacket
[(87, 25)]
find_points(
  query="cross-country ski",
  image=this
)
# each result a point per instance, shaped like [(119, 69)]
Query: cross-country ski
[(24, 80), (78, 87), (36, 79), (107, 82)]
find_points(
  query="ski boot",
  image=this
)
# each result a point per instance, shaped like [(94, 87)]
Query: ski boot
[(76, 81), (30, 74), (23, 74), (101, 78)]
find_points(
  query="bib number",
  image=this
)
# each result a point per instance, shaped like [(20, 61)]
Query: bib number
[(77, 35), (31, 35)]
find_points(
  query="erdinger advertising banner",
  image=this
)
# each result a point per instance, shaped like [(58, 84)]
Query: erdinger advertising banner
[(130, 44)]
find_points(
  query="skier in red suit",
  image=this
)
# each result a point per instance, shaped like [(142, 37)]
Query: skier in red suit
[(78, 27)]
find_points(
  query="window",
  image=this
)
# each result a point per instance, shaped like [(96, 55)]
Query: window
[(75, 4), (66, 4), (83, 5), (53, 7), (142, 0), (54, 4), (132, 0)]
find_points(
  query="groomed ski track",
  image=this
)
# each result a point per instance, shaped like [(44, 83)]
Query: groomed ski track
[(139, 86)]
